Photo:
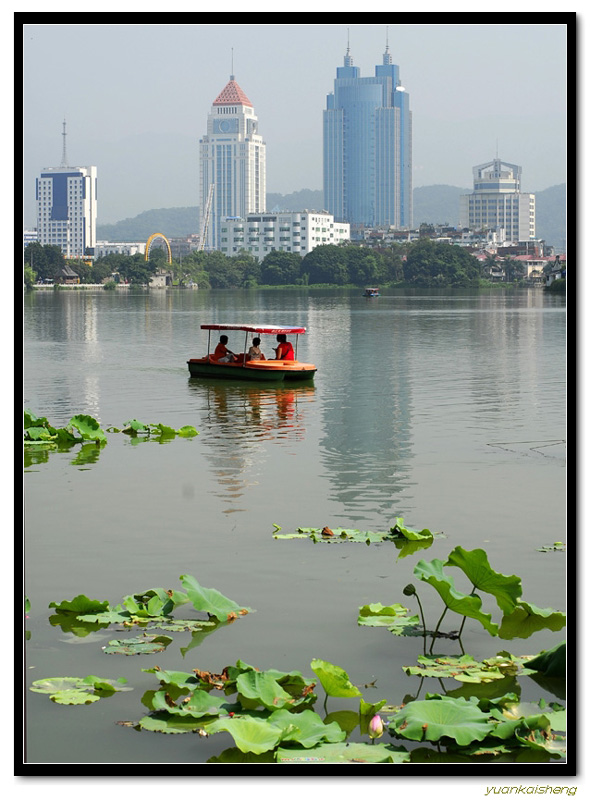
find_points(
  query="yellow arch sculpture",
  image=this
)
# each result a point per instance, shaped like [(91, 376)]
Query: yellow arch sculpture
[(149, 243)]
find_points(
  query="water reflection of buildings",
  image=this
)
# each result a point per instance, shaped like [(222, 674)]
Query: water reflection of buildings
[(238, 421), (366, 404)]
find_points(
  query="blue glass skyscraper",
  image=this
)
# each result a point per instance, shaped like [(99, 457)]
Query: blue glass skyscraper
[(368, 147)]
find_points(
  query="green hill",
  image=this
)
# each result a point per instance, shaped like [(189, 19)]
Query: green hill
[(438, 204)]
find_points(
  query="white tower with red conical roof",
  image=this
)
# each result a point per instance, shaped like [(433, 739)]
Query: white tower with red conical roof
[(233, 161)]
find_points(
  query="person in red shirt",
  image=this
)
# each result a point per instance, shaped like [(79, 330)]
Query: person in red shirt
[(284, 352), (222, 354)]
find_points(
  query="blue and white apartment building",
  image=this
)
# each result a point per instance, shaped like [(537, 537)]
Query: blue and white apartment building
[(67, 208), (368, 148)]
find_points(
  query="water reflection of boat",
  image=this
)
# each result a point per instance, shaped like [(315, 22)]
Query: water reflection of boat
[(371, 291), (242, 368)]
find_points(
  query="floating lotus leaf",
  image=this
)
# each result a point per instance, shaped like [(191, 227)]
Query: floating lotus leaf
[(187, 431), (141, 645), (154, 602), (199, 704), (182, 680), (81, 605), (462, 668), (88, 428), (344, 753), (466, 605), (211, 601), (527, 619), (164, 722), (430, 720), (551, 663), (392, 617), (334, 679), (78, 691), (507, 589), (551, 743), (400, 529), (556, 547)]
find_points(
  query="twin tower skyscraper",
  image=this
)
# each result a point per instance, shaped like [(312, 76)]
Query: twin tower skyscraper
[(367, 153)]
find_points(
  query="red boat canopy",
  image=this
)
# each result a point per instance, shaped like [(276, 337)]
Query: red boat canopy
[(225, 326)]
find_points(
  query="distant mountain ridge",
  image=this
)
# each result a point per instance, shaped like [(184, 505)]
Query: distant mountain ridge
[(437, 204)]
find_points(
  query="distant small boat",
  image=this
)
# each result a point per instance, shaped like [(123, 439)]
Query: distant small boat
[(371, 291)]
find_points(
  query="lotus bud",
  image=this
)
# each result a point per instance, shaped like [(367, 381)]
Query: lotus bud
[(409, 590), (376, 727)]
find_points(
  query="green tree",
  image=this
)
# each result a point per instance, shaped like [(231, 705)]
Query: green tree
[(326, 264), (365, 266), (46, 260), (279, 268), (433, 264), (30, 278)]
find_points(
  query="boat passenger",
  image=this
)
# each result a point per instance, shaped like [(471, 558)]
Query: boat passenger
[(284, 352), (222, 354), (255, 353)]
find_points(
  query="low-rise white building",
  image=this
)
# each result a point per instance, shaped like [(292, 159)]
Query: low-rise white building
[(288, 231), (120, 248)]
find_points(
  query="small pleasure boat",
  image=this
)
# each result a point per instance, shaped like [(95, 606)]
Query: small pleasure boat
[(371, 291), (244, 368)]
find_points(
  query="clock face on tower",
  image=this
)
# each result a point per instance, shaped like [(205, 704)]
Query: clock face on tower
[(225, 126)]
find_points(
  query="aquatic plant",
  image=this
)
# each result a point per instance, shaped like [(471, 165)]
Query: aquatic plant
[(520, 619), (84, 429)]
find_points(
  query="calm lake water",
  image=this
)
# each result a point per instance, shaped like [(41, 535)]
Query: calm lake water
[(446, 409)]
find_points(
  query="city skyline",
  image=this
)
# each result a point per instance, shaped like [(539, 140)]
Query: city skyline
[(139, 114)]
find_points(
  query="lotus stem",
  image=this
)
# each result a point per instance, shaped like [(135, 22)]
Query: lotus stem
[(438, 626)]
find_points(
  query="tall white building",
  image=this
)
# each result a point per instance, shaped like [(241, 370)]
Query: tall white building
[(288, 231), (497, 203), (233, 162), (67, 207)]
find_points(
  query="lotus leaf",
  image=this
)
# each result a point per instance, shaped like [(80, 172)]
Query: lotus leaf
[(264, 690), (187, 431), (456, 718), (344, 753), (257, 734), (392, 617), (409, 533), (334, 679), (474, 563), (211, 601), (169, 723), (88, 427), (346, 719), (551, 663), (527, 619), (466, 605), (199, 704), (81, 605), (138, 646), (78, 691), (462, 668)]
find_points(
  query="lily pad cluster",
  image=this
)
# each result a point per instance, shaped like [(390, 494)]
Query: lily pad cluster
[(84, 429), (520, 619), (270, 716), (406, 539), (149, 609)]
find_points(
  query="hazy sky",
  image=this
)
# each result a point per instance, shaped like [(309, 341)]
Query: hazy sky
[(136, 99)]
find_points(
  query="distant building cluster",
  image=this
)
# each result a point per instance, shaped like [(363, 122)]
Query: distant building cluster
[(367, 182)]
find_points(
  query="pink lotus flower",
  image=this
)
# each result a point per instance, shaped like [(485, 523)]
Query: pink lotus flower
[(376, 727)]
